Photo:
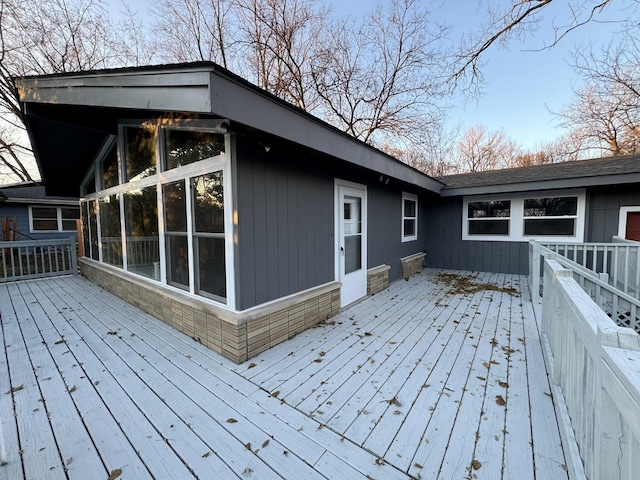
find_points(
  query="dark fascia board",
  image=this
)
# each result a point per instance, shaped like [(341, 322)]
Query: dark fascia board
[(576, 182), (206, 88)]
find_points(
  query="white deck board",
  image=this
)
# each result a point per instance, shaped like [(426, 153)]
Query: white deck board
[(396, 392)]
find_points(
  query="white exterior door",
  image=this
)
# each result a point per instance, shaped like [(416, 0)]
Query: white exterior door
[(351, 241)]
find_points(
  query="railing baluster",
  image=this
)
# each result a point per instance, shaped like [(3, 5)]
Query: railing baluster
[(30, 258)]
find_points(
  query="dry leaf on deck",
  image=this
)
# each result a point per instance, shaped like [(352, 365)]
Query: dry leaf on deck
[(500, 401), (115, 474)]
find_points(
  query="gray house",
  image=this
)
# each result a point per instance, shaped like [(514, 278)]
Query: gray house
[(228, 213), (242, 220), (484, 220), (28, 213)]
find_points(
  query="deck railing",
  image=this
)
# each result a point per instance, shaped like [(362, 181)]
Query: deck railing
[(26, 259), (595, 379), (621, 307), (620, 260)]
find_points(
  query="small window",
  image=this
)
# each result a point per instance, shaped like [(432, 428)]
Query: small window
[(550, 216), (54, 219), (409, 217), (489, 217)]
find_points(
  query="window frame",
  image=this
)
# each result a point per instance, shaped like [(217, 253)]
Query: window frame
[(161, 177), (622, 219), (412, 198), (517, 218), (59, 219)]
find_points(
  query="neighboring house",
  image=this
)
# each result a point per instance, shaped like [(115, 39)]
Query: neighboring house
[(484, 220), (28, 213), (242, 220)]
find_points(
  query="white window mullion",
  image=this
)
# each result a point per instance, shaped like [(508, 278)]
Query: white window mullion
[(190, 230)]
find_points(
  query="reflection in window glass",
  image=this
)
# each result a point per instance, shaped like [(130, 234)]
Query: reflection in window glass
[(111, 239), (208, 235), (184, 147), (69, 217), (483, 217), (44, 219), (141, 225), (92, 211), (177, 249), (492, 209), (550, 207), (110, 169), (551, 217), (208, 203), (140, 152)]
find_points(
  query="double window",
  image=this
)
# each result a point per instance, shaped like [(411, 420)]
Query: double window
[(409, 217), (53, 219), (525, 217), (160, 195)]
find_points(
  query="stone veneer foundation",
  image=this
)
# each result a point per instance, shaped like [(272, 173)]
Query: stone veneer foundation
[(377, 279), (237, 336), (412, 264)]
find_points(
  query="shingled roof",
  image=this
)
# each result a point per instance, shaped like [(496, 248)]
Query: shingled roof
[(597, 171)]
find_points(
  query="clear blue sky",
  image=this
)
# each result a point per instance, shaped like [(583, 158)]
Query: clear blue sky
[(522, 86)]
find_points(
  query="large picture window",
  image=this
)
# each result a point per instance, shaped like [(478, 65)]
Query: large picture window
[(550, 216), (208, 234), (489, 217), (166, 188), (524, 217), (141, 226)]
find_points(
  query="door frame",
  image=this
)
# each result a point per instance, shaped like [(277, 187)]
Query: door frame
[(622, 220), (355, 281)]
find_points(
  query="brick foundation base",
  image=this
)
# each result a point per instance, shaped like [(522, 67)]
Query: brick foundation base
[(237, 336)]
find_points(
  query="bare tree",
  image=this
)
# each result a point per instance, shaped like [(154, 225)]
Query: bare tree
[(281, 38), (480, 150), (525, 17), (381, 80), (41, 38), (196, 30)]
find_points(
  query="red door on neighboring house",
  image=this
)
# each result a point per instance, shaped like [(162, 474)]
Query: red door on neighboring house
[(633, 226)]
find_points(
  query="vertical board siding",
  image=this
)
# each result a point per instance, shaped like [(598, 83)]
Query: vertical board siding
[(446, 249), (385, 228), (285, 224), (604, 211)]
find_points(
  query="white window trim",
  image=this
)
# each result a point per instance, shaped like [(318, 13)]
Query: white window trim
[(58, 219), (222, 162), (516, 220), (413, 198), (622, 219)]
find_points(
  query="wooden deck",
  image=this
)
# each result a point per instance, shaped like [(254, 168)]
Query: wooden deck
[(419, 381)]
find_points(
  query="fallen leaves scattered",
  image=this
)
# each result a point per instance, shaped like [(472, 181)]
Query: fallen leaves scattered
[(503, 384), (16, 389), (232, 420), (72, 389), (476, 464), (500, 400), (205, 455), (251, 365)]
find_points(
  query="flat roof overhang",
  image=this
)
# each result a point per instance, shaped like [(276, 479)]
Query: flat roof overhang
[(69, 116)]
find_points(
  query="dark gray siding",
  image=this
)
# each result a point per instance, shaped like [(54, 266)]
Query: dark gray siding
[(285, 224), (446, 249), (603, 207), (285, 201), (385, 228)]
